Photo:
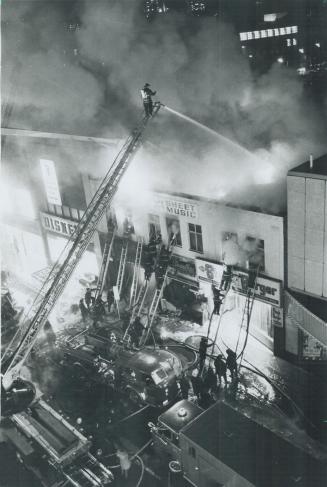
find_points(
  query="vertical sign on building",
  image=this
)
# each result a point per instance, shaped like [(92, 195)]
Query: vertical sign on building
[(50, 182)]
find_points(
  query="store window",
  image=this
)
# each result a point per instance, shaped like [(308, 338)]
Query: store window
[(254, 249), (173, 230), (195, 233), (154, 226)]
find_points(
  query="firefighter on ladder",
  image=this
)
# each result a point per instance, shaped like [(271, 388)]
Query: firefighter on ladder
[(147, 94)]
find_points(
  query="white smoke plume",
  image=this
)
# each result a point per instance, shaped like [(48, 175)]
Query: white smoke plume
[(197, 67)]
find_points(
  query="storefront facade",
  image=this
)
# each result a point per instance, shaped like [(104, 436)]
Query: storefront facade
[(267, 311), (209, 234)]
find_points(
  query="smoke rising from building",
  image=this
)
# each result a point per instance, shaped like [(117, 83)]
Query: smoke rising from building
[(87, 81)]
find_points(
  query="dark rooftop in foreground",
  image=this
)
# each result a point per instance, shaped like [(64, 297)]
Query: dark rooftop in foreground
[(319, 168), (253, 451)]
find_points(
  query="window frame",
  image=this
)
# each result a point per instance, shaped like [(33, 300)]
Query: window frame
[(197, 235)]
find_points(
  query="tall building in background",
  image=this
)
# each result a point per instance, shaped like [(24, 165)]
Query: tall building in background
[(306, 298)]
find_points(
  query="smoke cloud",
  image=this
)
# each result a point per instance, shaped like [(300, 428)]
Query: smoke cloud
[(87, 81)]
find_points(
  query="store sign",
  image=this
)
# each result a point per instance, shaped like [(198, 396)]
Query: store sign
[(177, 208), (182, 265), (277, 317), (208, 271), (50, 182), (267, 290), (58, 225)]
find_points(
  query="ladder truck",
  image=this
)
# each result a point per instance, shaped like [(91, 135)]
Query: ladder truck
[(21, 345)]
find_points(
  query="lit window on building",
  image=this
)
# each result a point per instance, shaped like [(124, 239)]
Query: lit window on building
[(270, 33), (264, 33), (250, 36), (254, 249), (288, 42), (243, 36), (276, 32), (154, 226), (294, 42), (282, 31), (195, 232), (256, 34), (294, 29), (173, 230), (288, 30)]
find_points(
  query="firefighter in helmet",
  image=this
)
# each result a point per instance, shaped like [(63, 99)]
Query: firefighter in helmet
[(147, 94)]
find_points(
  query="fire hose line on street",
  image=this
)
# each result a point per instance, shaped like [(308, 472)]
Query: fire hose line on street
[(283, 393), (132, 457)]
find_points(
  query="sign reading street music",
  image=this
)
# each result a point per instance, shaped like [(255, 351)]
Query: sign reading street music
[(176, 207), (59, 225)]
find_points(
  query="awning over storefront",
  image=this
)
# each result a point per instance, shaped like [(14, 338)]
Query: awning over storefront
[(300, 315)]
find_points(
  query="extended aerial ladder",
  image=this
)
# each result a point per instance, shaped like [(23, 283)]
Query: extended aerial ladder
[(24, 340), (105, 264)]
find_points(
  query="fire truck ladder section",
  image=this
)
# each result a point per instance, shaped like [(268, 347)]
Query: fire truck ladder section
[(246, 316), (224, 289), (105, 264), (57, 279), (136, 272), (156, 298), (153, 311), (122, 266)]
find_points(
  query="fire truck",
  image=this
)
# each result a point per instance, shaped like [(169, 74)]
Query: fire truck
[(43, 440), (222, 447), (146, 376)]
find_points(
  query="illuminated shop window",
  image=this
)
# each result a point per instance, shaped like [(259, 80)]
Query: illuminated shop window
[(195, 233), (294, 42), (173, 229)]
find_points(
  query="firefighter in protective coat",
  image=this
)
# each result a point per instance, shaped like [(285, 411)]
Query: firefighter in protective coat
[(147, 94)]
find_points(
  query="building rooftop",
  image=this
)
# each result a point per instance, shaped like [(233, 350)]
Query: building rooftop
[(318, 170), (253, 451)]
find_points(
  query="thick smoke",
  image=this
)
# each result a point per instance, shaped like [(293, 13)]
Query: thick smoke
[(197, 67)]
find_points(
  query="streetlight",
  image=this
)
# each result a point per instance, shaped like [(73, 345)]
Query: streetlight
[(301, 50), (280, 60)]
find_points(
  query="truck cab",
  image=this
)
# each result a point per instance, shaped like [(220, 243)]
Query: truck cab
[(166, 432)]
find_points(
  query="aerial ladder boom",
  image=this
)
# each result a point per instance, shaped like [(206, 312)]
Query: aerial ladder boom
[(56, 281)]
